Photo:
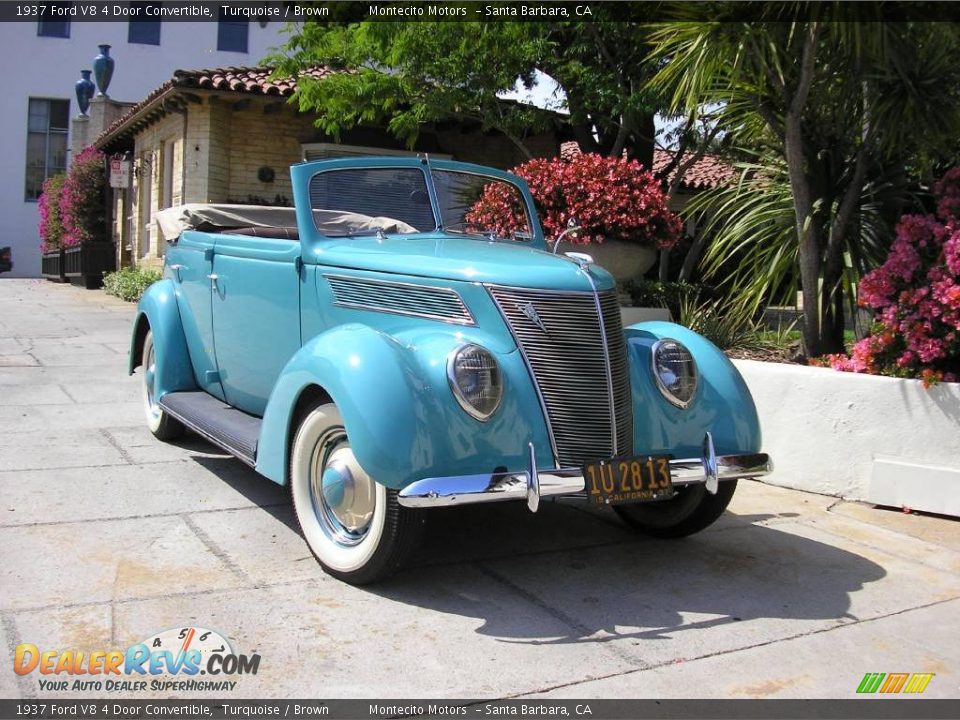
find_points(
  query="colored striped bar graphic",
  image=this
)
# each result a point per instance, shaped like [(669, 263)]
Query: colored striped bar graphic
[(894, 682)]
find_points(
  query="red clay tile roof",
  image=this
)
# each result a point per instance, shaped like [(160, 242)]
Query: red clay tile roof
[(255, 81), (708, 172), (252, 81)]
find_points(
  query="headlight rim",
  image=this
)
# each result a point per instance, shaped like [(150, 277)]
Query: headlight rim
[(664, 390), (457, 391)]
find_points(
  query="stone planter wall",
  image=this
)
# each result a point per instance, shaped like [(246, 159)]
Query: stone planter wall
[(861, 437)]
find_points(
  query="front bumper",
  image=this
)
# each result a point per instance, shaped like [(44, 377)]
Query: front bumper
[(532, 484)]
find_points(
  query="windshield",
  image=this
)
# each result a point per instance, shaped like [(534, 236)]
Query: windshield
[(396, 200), (480, 204), (361, 201)]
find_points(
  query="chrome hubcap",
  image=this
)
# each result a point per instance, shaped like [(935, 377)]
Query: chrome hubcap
[(343, 495)]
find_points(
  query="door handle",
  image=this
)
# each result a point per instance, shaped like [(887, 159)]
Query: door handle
[(176, 267), (213, 280)]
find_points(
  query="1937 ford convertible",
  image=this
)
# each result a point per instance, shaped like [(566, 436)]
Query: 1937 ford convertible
[(381, 353)]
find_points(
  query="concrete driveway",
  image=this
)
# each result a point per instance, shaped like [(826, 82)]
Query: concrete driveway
[(109, 536)]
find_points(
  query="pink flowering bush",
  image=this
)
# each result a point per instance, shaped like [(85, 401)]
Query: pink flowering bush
[(609, 198), (916, 297), (81, 199), (51, 225)]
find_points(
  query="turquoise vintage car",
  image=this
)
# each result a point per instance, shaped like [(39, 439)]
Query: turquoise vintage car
[(380, 352)]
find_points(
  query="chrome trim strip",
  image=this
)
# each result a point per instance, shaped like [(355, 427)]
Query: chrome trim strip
[(531, 483), (611, 400), (465, 317)]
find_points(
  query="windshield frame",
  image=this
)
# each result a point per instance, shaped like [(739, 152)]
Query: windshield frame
[(302, 174)]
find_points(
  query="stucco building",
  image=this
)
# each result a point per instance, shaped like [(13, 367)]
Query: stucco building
[(44, 61)]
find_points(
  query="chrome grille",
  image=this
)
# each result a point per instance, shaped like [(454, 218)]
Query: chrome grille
[(434, 303), (563, 342)]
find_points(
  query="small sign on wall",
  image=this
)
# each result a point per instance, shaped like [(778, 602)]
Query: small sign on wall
[(119, 173)]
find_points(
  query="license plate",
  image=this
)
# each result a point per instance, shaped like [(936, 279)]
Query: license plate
[(633, 479)]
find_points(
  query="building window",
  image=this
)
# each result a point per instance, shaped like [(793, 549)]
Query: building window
[(144, 31), (47, 126), (232, 34), (55, 28), (50, 28)]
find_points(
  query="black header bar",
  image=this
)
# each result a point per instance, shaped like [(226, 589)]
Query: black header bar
[(459, 11)]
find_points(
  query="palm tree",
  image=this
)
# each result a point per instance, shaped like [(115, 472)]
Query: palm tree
[(830, 99)]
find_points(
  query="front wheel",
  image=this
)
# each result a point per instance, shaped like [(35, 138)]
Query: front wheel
[(690, 511), (354, 525)]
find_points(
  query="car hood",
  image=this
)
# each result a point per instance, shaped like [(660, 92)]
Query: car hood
[(459, 258)]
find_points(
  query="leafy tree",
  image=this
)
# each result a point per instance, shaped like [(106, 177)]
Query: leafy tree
[(409, 74), (834, 101)]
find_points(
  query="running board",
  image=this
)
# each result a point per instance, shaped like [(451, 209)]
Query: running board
[(224, 426)]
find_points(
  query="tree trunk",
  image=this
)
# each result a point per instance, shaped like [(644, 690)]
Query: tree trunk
[(692, 259), (808, 236), (831, 304), (643, 141)]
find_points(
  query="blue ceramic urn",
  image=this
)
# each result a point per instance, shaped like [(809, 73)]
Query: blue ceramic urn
[(85, 88), (103, 69)]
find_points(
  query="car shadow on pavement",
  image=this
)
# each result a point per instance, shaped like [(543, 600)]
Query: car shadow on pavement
[(270, 497), (604, 583), (572, 567)]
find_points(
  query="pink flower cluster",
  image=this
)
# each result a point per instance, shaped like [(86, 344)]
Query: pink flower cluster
[(608, 197), (916, 296), (81, 199), (51, 225)]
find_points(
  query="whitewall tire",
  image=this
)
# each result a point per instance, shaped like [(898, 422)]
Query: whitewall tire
[(161, 424), (353, 525)]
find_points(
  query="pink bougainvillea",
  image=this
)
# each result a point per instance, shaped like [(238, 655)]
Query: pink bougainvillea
[(608, 198), (81, 199), (51, 225), (916, 297)]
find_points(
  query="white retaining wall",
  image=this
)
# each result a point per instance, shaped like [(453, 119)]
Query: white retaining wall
[(862, 437)]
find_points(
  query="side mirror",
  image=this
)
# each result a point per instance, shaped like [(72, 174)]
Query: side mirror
[(573, 227)]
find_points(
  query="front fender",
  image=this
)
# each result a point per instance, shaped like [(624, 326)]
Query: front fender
[(399, 413), (157, 311), (721, 405)]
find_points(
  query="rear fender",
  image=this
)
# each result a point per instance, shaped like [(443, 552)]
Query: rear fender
[(158, 312)]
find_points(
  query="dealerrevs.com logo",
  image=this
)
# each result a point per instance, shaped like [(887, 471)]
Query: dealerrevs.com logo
[(169, 661)]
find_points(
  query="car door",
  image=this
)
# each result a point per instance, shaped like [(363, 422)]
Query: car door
[(256, 315), (189, 262)]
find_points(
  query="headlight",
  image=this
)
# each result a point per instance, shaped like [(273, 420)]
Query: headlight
[(675, 371), (474, 378)]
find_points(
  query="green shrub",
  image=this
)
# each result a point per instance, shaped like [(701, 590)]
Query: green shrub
[(670, 295), (129, 283)]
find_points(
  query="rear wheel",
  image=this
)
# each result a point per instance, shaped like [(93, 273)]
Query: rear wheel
[(161, 423), (354, 525), (690, 511)]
